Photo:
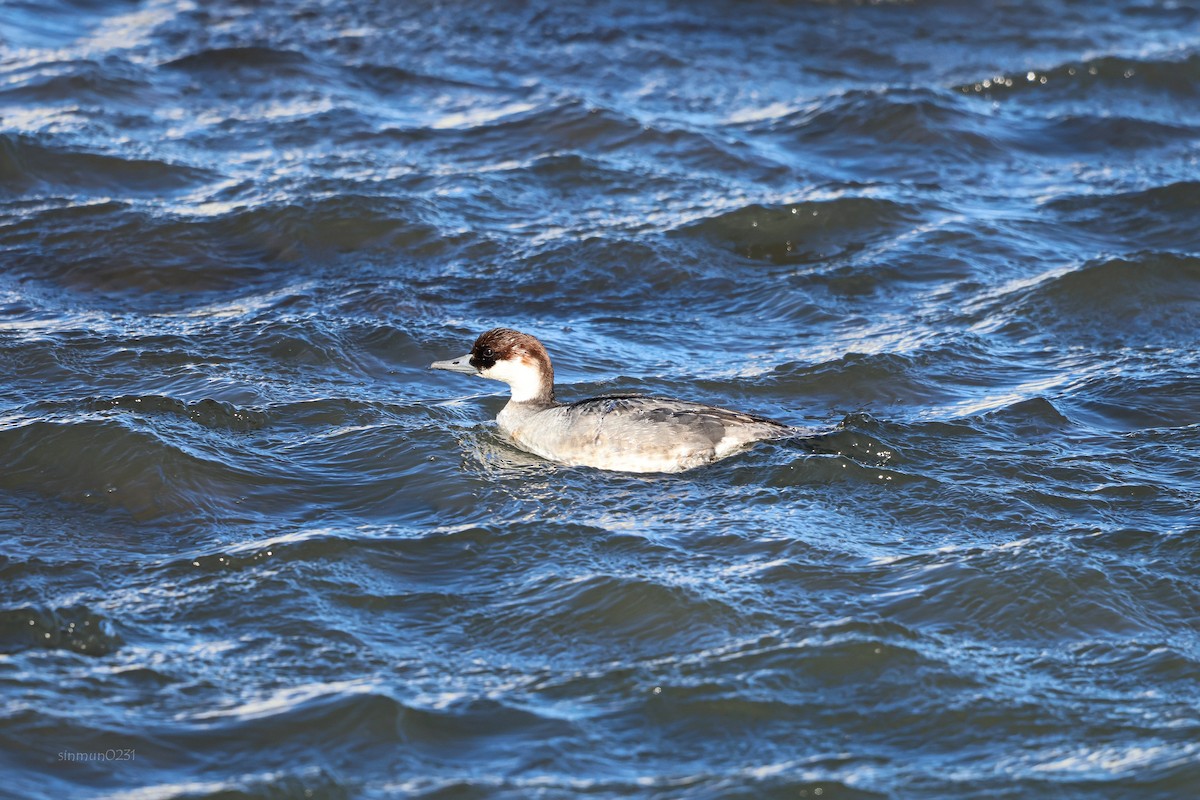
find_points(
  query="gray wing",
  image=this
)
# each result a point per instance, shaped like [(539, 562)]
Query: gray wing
[(642, 417)]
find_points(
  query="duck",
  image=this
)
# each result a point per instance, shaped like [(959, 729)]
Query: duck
[(617, 432)]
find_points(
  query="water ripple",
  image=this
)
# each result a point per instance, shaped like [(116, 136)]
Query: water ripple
[(957, 243)]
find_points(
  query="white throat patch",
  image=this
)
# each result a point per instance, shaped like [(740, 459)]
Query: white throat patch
[(521, 374)]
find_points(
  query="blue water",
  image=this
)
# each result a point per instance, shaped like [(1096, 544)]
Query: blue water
[(250, 547)]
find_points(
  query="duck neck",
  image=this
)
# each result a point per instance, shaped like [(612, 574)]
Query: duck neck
[(529, 378), (540, 393)]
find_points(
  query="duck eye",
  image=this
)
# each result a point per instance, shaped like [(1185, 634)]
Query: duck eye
[(488, 352)]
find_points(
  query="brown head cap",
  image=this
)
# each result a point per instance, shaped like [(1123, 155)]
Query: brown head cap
[(505, 344)]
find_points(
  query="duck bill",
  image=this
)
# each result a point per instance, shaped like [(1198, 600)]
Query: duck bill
[(460, 364)]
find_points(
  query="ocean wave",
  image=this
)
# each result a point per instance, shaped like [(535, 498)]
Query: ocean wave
[(900, 119), (214, 414), (133, 253), (636, 611), (1132, 664), (76, 628), (1026, 419), (278, 61), (1022, 592), (1086, 78), (112, 82), (355, 713), (1132, 401), (147, 256), (1159, 218), (251, 785), (390, 81), (808, 231), (35, 166), (1146, 299), (119, 463), (1076, 135), (870, 380)]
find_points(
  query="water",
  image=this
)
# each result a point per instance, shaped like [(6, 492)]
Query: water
[(251, 548)]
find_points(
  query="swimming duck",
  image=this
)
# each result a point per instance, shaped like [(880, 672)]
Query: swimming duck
[(623, 432)]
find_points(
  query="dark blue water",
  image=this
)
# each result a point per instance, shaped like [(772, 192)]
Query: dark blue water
[(251, 548)]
